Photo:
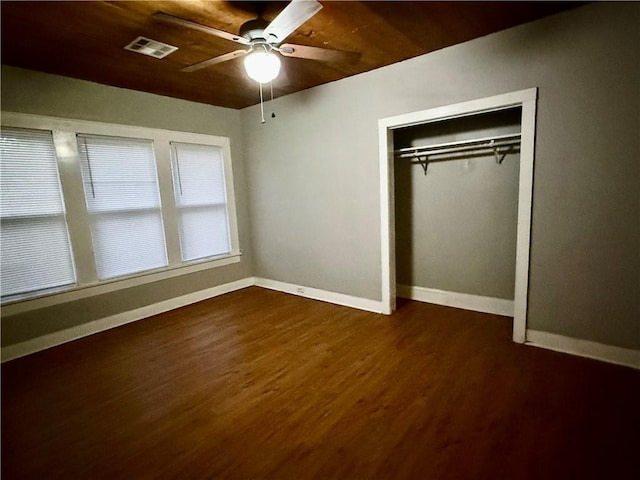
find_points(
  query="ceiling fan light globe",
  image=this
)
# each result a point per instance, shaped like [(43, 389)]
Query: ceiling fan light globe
[(263, 67)]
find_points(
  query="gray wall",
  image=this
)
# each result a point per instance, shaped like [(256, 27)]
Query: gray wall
[(38, 93), (312, 172), (456, 226), (314, 184)]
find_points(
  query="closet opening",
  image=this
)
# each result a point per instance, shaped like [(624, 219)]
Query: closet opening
[(456, 185)]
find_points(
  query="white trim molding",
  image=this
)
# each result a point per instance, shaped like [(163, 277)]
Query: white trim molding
[(57, 338), (77, 293), (322, 295), (526, 99), (64, 132), (477, 303), (497, 306), (584, 348)]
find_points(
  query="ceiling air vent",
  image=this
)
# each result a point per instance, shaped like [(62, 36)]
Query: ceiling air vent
[(146, 46)]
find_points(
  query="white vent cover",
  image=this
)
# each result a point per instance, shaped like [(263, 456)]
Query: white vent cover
[(153, 48)]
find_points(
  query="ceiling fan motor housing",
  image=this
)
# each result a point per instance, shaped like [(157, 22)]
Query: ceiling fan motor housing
[(254, 30), (264, 39)]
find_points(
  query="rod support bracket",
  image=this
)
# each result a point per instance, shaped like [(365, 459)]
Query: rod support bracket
[(500, 156), (424, 163)]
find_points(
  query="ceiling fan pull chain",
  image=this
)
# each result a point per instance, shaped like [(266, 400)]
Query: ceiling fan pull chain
[(261, 105), (273, 115)]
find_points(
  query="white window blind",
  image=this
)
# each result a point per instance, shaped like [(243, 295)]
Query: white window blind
[(35, 249), (201, 200), (123, 201)]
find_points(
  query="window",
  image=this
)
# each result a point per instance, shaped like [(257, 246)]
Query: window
[(89, 208), (123, 201), (198, 183), (36, 252)]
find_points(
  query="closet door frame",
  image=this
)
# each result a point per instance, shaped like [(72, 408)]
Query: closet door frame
[(526, 99)]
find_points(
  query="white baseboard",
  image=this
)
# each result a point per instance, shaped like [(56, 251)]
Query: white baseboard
[(477, 303), (57, 338), (323, 295), (52, 339), (550, 341), (584, 348)]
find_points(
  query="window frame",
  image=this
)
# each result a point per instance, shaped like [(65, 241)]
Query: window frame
[(180, 210), (29, 219), (64, 133), (83, 140)]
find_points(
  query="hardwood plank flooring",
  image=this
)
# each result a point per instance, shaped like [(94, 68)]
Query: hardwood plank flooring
[(258, 384)]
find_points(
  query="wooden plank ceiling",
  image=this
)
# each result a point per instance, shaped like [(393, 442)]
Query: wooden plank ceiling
[(85, 40)]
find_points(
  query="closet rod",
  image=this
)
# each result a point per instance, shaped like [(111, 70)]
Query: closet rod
[(460, 146)]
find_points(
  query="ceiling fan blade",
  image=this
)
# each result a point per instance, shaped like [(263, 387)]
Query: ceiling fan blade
[(289, 19), (215, 60), (163, 17), (321, 54)]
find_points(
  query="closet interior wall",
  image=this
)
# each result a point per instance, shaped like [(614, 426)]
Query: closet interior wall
[(456, 224)]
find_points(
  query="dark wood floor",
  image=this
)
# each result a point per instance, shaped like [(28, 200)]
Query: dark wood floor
[(259, 384)]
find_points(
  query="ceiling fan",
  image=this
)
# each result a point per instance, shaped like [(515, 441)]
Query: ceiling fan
[(265, 41)]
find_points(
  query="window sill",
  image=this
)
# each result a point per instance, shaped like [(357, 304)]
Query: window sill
[(21, 305)]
